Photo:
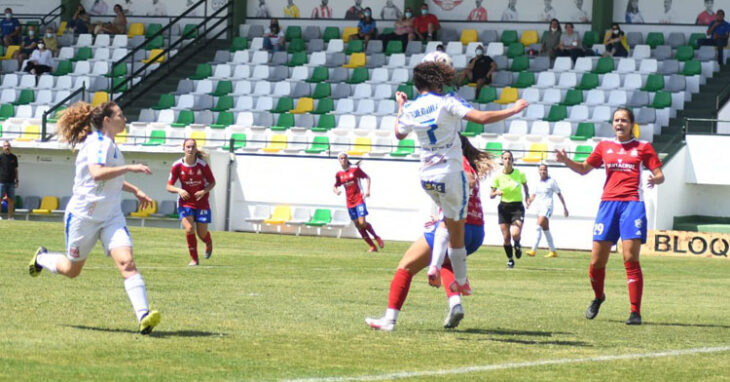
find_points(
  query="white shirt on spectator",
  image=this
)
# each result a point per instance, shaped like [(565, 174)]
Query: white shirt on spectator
[(44, 57)]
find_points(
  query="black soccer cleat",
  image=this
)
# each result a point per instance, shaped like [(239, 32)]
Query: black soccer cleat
[(634, 319), (510, 264), (592, 311), (518, 251)]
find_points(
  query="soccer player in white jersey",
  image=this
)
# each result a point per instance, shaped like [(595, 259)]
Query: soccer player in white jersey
[(543, 199), (94, 211), (436, 120)]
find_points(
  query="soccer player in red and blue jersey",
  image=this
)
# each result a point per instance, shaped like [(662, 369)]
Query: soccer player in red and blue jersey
[(350, 177), (196, 181), (622, 212)]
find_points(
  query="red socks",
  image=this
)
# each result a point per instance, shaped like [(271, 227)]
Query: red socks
[(447, 277), (636, 284), (597, 280), (206, 239), (364, 234), (371, 230), (399, 289), (192, 246)]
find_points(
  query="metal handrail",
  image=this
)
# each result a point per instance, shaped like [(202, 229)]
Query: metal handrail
[(59, 8), (53, 108), (712, 121)]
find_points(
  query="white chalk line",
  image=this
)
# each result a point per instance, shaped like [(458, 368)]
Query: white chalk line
[(517, 365)]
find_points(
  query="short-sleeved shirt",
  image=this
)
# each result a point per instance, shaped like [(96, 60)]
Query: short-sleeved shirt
[(292, 11), (482, 65), (510, 185), (366, 28), (421, 22), (474, 211), (8, 164), (192, 179), (705, 18), (624, 162), (322, 12), (478, 14), (8, 26), (569, 39), (350, 178), (436, 120), (721, 29), (92, 199), (545, 190)]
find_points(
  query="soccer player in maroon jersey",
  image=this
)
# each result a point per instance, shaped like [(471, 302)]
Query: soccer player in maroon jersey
[(621, 213), (350, 177), (196, 181)]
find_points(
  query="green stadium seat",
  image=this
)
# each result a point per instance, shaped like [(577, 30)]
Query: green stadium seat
[(692, 68), (359, 75), (84, 53), (330, 33), (185, 118), (321, 217), (573, 97), (405, 147), (225, 119), (472, 129), (585, 131), (7, 111), (283, 105), (239, 141), (355, 46), (166, 101), (324, 106), (284, 122), (119, 84), (56, 114), (151, 29), (582, 152), (694, 39), (515, 49), (157, 138), (487, 95), (590, 38), (393, 47), (238, 43), (26, 97), (292, 32), (319, 74), (494, 148), (64, 67), (685, 53), (297, 59), (190, 31), (661, 100), (520, 64), (118, 70), (588, 81), (524, 80), (223, 88), (296, 45), (326, 122), (556, 113), (509, 36), (654, 82), (604, 65), (322, 90), (224, 103), (202, 71), (408, 89), (320, 144), (654, 39), (156, 43)]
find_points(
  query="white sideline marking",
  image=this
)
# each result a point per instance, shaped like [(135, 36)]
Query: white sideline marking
[(515, 365)]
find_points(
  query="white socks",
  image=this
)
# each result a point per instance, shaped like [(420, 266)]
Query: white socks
[(440, 243), (137, 295), (391, 314), (49, 260), (549, 239), (458, 264), (454, 300)]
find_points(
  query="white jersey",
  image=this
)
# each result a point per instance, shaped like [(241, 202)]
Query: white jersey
[(97, 200), (544, 192), (436, 119)]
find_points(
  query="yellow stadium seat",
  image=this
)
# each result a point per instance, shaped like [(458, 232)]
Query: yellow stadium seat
[(537, 153), (278, 142), (48, 204), (469, 35), (156, 55), (121, 137), (529, 37), (362, 146), (30, 133), (357, 60), (636, 131), (146, 212), (9, 51), (136, 29), (349, 31), (200, 138), (62, 28), (304, 105), (281, 215), (509, 95), (99, 98)]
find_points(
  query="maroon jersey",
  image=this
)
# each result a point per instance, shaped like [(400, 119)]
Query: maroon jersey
[(350, 178), (474, 212), (192, 179), (624, 162)]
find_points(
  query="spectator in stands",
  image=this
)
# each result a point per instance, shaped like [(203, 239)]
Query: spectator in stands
[(80, 21), (10, 27), (615, 42), (579, 15), (8, 177), (322, 11), (30, 42), (551, 41), (570, 43), (480, 70), (633, 16), (366, 28), (51, 41), (40, 61), (508, 185), (478, 13), (548, 13), (667, 17), (117, 26), (263, 10), (708, 15), (718, 35), (426, 25), (511, 14), (390, 11), (355, 11), (403, 31), (99, 8), (291, 10), (158, 9), (274, 37)]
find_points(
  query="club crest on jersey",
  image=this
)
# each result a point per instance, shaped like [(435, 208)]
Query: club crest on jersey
[(634, 153), (609, 151)]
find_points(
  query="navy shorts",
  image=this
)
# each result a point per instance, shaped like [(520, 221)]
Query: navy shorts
[(473, 236), (357, 211), (199, 216), (624, 219), (7, 189)]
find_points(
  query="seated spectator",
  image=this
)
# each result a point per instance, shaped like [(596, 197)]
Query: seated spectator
[(551, 41), (366, 28), (30, 42), (51, 41), (274, 37), (718, 35), (403, 31), (615, 42), (40, 61), (10, 28), (80, 21), (570, 43), (117, 26), (479, 70), (426, 25)]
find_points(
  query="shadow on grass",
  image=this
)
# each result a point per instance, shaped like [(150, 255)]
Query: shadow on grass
[(679, 324), (531, 342), (159, 333), (506, 332)]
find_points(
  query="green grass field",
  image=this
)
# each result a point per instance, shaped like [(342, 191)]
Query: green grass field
[(271, 307)]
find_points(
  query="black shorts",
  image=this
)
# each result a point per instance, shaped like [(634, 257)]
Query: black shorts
[(509, 213)]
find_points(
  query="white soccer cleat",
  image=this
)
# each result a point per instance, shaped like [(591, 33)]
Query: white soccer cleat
[(380, 324), (454, 317)]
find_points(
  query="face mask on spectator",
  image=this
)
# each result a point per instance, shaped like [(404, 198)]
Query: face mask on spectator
[(49, 35), (8, 16), (31, 33), (408, 15), (41, 46), (367, 14), (554, 29), (424, 11), (479, 52), (615, 32)]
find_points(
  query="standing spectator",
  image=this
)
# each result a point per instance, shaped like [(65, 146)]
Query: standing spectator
[(274, 37), (390, 11), (510, 212), (8, 177), (40, 61), (10, 27), (158, 9), (633, 16), (615, 42), (579, 15), (511, 14), (30, 42), (426, 25), (51, 41), (117, 26), (263, 10), (403, 31), (80, 21), (704, 18), (291, 10), (366, 28), (322, 11), (551, 42), (570, 43), (355, 11), (667, 17), (99, 8), (548, 13), (478, 13), (480, 70), (718, 35)]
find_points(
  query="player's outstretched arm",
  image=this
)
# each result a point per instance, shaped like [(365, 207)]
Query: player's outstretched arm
[(485, 117), (99, 172), (144, 200), (401, 98), (581, 168)]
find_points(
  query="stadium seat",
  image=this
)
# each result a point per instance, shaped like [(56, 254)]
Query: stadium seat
[(585, 131), (588, 81), (145, 212), (281, 215), (284, 122), (529, 37), (277, 143), (304, 105), (320, 218), (472, 129), (27, 96), (509, 36), (604, 65), (156, 56), (524, 80), (360, 147), (557, 113), (283, 105), (486, 95), (590, 38), (238, 44), (582, 152), (99, 98), (661, 100), (359, 75), (684, 53), (347, 33), (320, 144), (324, 123), (495, 148), (508, 95), (190, 31), (515, 50), (156, 138), (30, 133), (654, 39), (292, 32), (692, 68), (520, 64), (129, 206), (260, 213), (654, 82), (356, 60), (405, 147), (536, 153), (136, 29)]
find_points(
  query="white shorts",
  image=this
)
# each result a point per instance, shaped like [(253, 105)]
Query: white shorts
[(449, 191), (544, 209), (82, 234)]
